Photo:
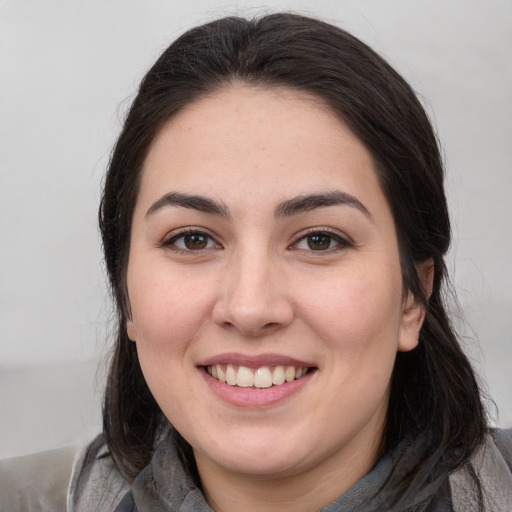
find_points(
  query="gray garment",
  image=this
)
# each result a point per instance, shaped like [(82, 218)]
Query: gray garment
[(165, 486), (493, 465), (38, 483), (95, 484)]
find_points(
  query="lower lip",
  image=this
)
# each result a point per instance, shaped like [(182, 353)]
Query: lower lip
[(255, 397)]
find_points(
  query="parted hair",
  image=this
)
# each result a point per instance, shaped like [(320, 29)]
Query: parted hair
[(434, 391)]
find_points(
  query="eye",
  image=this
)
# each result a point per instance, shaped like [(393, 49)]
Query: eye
[(191, 240), (321, 241)]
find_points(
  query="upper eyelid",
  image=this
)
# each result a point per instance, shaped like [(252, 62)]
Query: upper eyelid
[(179, 232), (188, 230), (343, 241), (323, 230)]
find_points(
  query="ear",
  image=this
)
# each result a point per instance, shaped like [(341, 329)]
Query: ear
[(130, 329), (413, 312)]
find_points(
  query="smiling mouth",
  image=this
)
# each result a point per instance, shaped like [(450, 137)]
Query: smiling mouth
[(264, 377)]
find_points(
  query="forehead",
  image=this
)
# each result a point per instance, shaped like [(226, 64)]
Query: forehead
[(247, 142)]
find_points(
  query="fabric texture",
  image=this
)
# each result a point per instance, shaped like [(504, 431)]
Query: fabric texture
[(38, 483), (493, 470), (95, 483), (165, 485)]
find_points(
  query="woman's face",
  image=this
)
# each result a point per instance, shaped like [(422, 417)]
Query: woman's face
[(264, 252)]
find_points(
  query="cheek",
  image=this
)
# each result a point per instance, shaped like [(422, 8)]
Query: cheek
[(166, 318), (354, 304), (167, 311), (358, 318)]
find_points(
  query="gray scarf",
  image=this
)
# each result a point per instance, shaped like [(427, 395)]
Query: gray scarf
[(166, 486)]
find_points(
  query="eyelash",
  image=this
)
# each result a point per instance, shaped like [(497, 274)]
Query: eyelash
[(170, 242), (341, 242)]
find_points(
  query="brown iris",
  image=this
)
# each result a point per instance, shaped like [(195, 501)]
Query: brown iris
[(319, 242), (195, 241)]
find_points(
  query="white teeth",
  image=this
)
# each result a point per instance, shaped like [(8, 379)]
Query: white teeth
[(278, 377), (263, 377), (230, 375), (289, 373), (244, 377)]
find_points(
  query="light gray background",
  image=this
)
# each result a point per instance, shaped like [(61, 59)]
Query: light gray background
[(68, 70)]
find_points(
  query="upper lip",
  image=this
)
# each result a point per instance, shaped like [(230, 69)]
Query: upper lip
[(255, 361)]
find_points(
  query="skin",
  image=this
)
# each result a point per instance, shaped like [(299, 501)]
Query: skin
[(255, 286)]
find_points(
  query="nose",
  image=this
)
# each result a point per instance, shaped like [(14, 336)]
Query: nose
[(253, 298)]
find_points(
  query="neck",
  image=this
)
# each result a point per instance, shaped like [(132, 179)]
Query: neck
[(304, 491)]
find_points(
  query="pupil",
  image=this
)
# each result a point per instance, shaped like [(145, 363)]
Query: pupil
[(319, 242), (195, 241)]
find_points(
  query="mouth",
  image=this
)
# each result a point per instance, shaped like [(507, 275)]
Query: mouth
[(262, 377)]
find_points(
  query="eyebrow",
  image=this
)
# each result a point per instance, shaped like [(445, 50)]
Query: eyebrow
[(308, 202), (287, 208), (194, 202)]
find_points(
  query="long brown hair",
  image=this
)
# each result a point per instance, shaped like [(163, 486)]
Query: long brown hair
[(434, 392)]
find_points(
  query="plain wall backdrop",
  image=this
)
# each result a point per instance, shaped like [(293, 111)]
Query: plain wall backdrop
[(68, 70)]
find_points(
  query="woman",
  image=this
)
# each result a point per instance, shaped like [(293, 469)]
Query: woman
[(275, 225)]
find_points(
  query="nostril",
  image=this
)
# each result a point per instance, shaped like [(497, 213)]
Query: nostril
[(251, 313)]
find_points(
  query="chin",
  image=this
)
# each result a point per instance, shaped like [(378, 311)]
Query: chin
[(258, 458), (259, 466)]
